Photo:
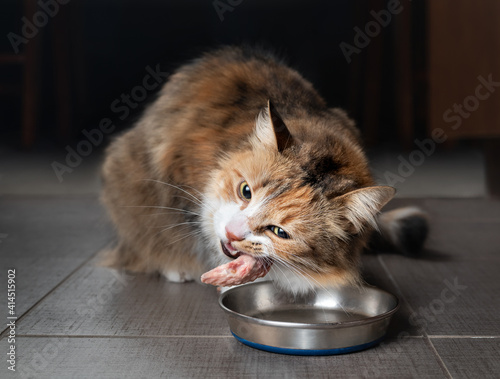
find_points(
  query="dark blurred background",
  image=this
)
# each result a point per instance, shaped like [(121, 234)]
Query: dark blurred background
[(395, 66)]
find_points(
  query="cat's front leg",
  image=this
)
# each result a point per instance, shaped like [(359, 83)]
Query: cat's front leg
[(178, 276), (179, 267)]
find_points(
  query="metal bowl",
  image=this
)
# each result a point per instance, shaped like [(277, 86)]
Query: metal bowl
[(324, 322)]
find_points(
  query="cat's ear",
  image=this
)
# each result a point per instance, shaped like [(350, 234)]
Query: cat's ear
[(271, 130), (360, 207)]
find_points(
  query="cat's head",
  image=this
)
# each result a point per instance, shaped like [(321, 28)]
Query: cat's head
[(304, 203)]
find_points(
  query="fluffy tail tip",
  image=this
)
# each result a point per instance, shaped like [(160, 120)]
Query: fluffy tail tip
[(403, 230)]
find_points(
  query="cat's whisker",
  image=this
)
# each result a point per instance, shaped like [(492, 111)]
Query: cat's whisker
[(167, 213), (292, 267), (309, 280), (186, 198), (314, 284), (278, 261), (191, 234), (283, 272), (304, 262), (300, 271), (194, 198), (168, 227), (188, 234), (192, 188), (161, 207), (209, 206)]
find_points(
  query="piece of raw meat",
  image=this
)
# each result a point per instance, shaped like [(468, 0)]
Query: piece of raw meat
[(243, 269)]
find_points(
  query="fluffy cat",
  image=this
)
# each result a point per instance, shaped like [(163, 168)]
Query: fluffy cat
[(240, 157)]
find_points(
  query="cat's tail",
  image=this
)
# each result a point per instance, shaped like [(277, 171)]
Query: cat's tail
[(402, 230)]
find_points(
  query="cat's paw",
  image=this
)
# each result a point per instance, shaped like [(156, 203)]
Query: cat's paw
[(176, 276)]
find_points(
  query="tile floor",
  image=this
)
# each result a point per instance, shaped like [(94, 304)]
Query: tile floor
[(76, 319)]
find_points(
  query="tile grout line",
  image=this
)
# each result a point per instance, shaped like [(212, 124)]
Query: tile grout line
[(460, 219), (76, 336), (437, 336), (440, 360), (393, 280), (213, 336), (426, 337), (4, 332)]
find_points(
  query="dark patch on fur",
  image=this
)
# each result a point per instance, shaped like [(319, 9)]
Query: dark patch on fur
[(267, 182), (279, 190), (319, 171), (241, 99), (227, 122), (324, 260), (276, 187), (241, 86)]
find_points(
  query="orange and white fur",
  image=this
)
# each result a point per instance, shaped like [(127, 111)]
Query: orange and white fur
[(239, 155)]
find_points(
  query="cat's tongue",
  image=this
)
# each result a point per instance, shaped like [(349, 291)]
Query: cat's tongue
[(243, 269)]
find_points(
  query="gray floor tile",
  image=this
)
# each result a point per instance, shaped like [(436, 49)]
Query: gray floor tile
[(463, 241), (45, 239), (470, 210), (466, 209), (463, 246), (99, 301), (470, 358), (215, 357), (374, 274), (32, 173), (450, 298), (457, 173)]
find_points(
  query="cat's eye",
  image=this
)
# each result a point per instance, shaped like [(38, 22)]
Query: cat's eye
[(244, 191), (279, 232)]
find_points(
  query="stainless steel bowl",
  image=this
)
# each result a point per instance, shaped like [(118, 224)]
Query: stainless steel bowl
[(324, 322)]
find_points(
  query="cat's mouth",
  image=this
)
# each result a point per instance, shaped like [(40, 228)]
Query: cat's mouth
[(244, 268), (231, 254)]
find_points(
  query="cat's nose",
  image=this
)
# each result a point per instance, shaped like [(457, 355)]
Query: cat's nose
[(234, 235)]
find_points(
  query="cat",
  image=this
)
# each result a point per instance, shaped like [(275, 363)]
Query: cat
[(239, 156)]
